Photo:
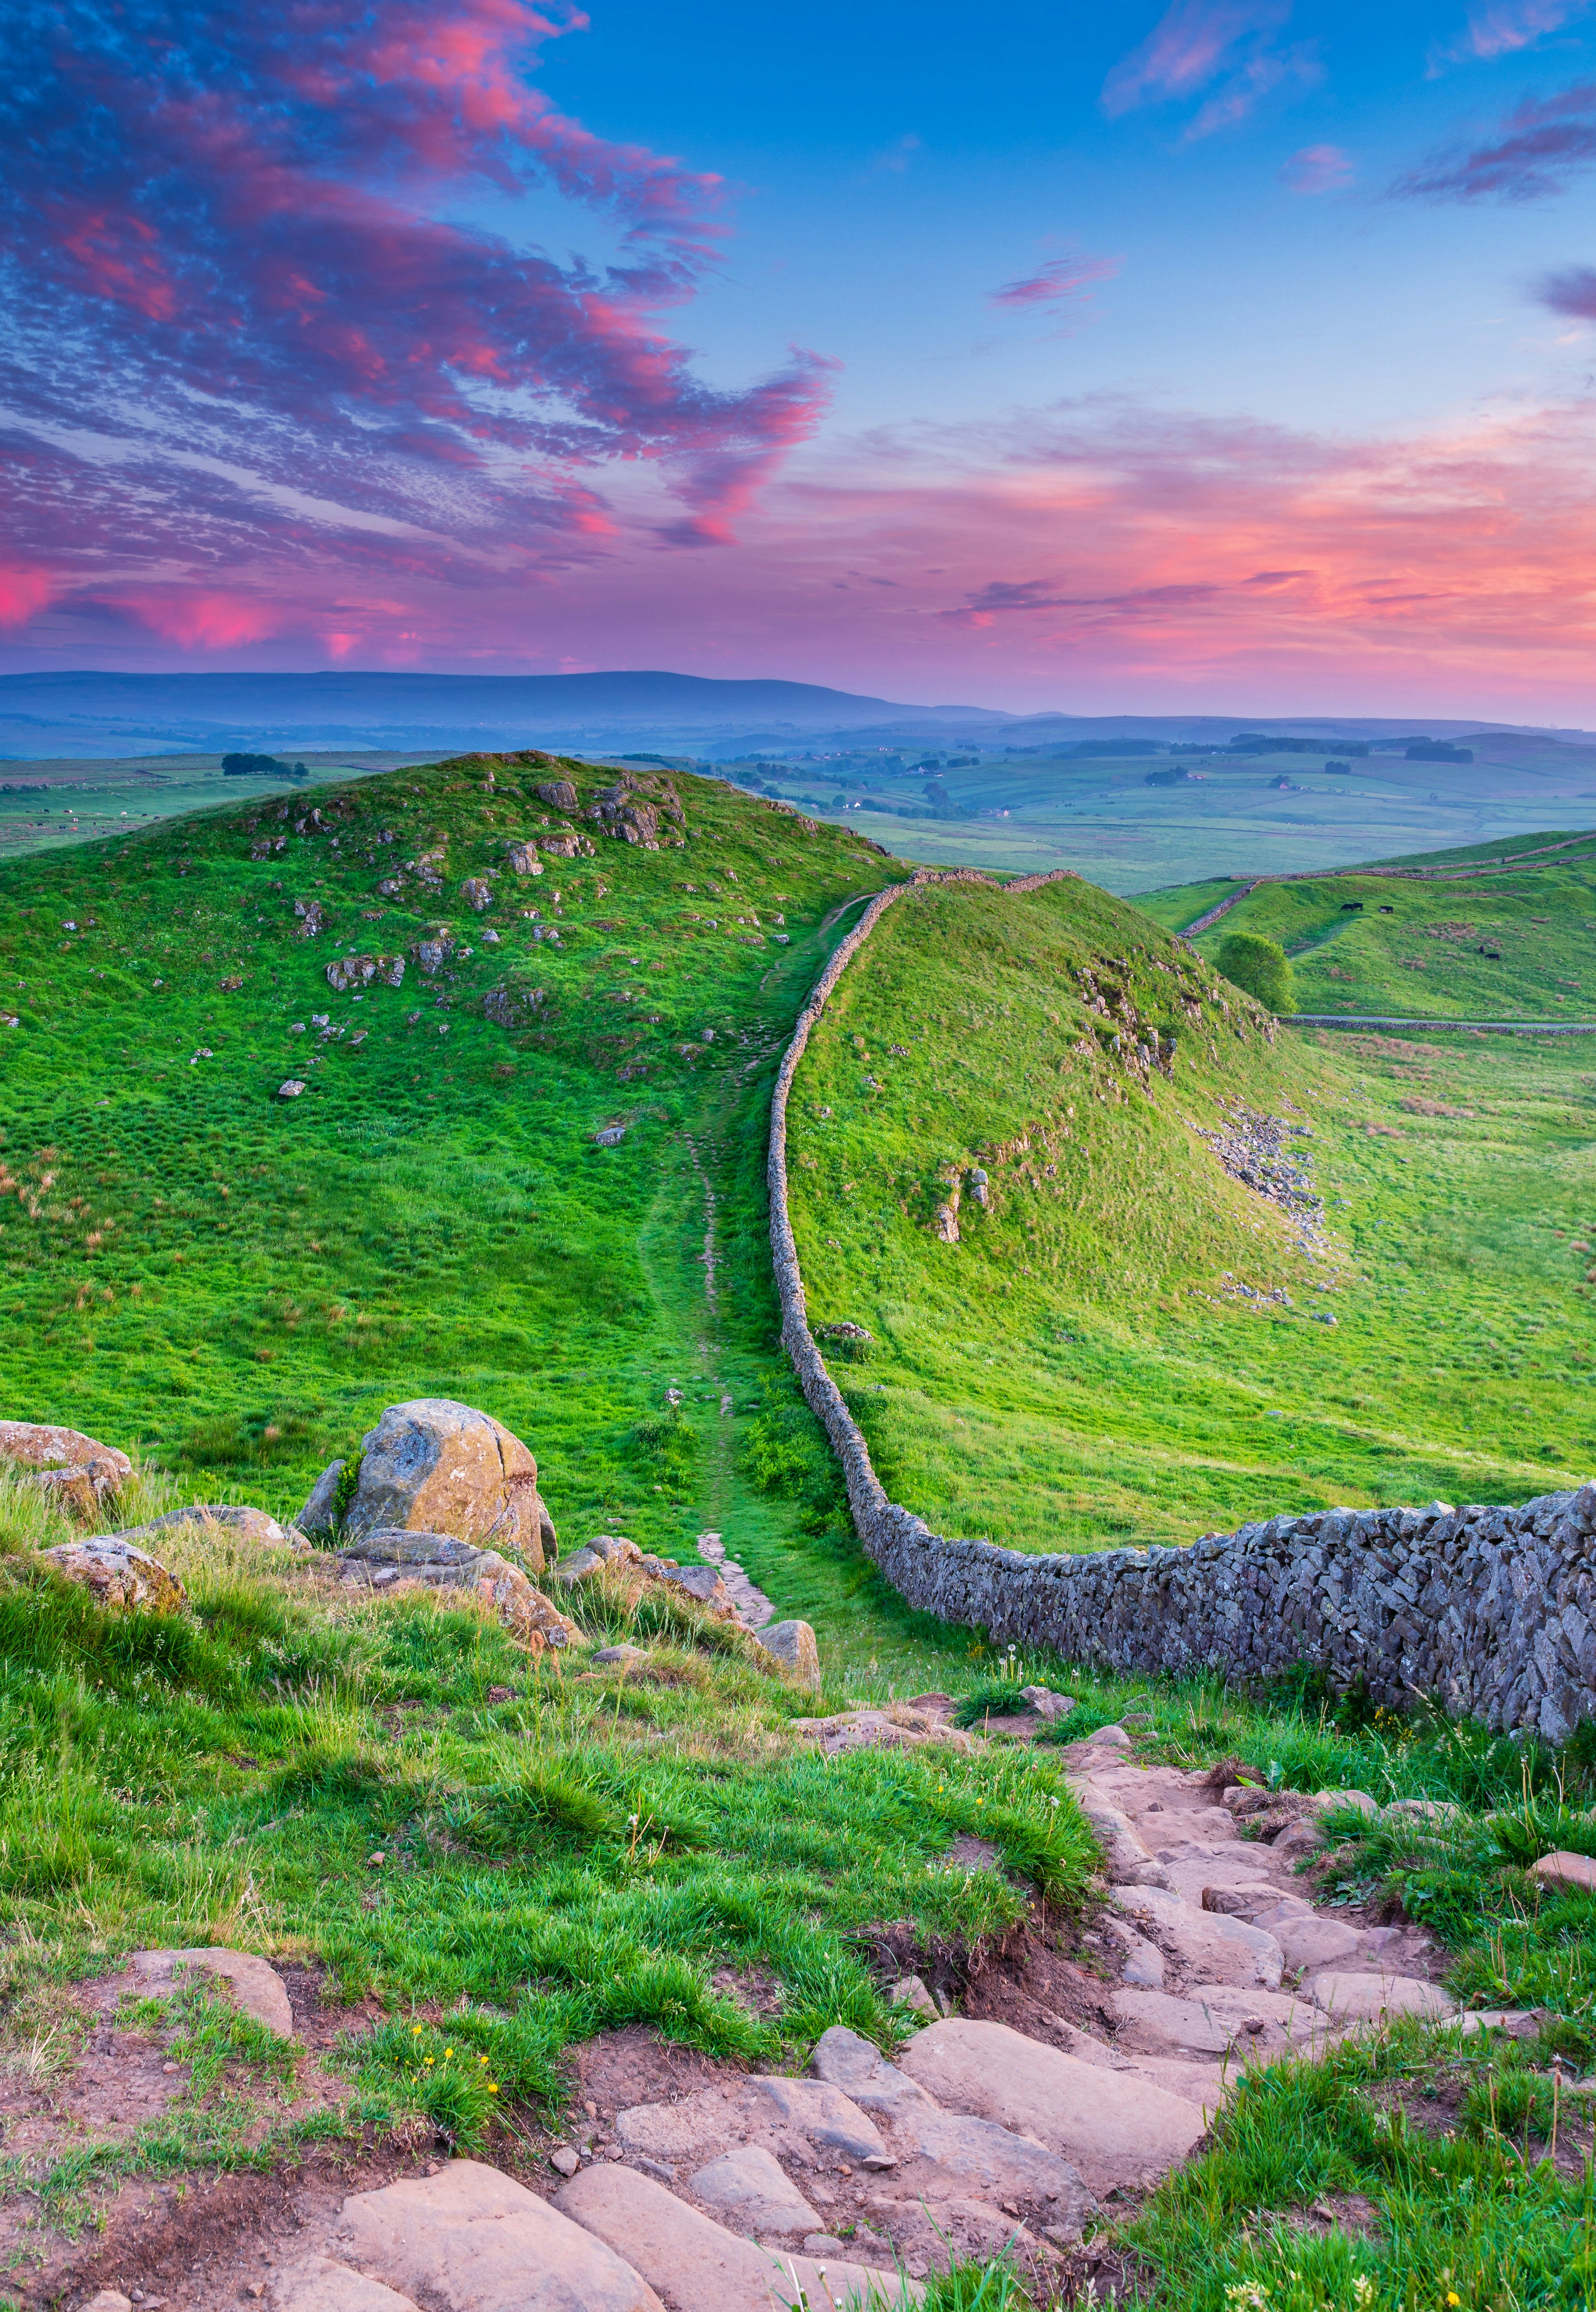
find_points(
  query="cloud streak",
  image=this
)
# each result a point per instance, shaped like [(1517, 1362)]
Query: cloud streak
[(1540, 144), (1061, 282)]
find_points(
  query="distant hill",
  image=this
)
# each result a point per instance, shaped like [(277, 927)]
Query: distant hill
[(87, 713), (95, 713)]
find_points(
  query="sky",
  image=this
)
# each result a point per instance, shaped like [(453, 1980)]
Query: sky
[(1231, 356)]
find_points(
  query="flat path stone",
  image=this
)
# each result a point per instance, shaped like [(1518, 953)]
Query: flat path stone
[(1314, 1943), (824, 2114), (844, 2060), (470, 2240), (751, 2189), (693, 2264), (1000, 2165), (1365, 1998), (1207, 1943), (1114, 2128), (257, 1987), (316, 2284)]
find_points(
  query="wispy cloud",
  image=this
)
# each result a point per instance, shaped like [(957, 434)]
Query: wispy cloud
[(1539, 145), (1226, 53), (1318, 169), (1505, 27), (894, 159), (1060, 282)]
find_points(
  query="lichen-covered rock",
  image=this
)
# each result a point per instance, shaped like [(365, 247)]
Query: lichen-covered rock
[(117, 1572), (392, 1559), (75, 1470), (249, 1524), (559, 794), (523, 859), (476, 892), (431, 1466)]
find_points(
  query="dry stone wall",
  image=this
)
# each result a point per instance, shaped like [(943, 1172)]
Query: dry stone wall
[(1492, 1610)]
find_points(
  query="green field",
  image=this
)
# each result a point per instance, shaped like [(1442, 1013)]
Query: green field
[(46, 806), (1097, 813), (233, 1284), (1504, 945)]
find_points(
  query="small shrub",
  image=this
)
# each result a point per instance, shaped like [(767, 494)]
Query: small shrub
[(1258, 968)]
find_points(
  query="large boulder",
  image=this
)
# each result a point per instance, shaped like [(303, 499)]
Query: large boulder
[(391, 1559), (77, 1471), (117, 1572), (431, 1465)]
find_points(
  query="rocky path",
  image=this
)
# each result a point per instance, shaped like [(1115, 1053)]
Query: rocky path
[(684, 2185)]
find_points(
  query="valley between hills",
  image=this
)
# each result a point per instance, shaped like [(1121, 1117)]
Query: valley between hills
[(453, 1084)]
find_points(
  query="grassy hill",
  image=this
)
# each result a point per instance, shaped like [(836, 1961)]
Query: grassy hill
[(471, 1863), (1105, 1354), (1503, 944), (238, 1283)]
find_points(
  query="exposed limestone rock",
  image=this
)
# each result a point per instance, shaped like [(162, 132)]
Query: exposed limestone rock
[(347, 971), (476, 892), (314, 2283), (559, 794), (471, 2239), (1564, 1870), (117, 1572), (249, 1524), (390, 1560), (75, 1470), (433, 1466), (796, 1647), (1114, 2128), (697, 2266)]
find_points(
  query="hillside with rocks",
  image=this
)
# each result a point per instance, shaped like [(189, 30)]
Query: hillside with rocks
[(479, 1830)]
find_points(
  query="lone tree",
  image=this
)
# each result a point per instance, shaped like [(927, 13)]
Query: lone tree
[(1259, 969)]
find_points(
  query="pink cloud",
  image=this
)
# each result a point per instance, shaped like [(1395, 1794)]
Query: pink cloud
[(1318, 169), (1224, 46), (24, 593), (1062, 281), (245, 280), (1504, 28), (209, 622)]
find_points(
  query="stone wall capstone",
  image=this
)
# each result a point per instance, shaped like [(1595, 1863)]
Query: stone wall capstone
[(1491, 1611)]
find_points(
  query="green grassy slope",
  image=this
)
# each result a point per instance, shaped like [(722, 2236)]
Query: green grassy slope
[(1079, 1368), (241, 1283), (1512, 946)]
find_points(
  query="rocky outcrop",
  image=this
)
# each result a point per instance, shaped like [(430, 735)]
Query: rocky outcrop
[(75, 1470), (117, 1572), (431, 1466), (347, 971), (247, 1523), (390, 1560), (1493, 1610)]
